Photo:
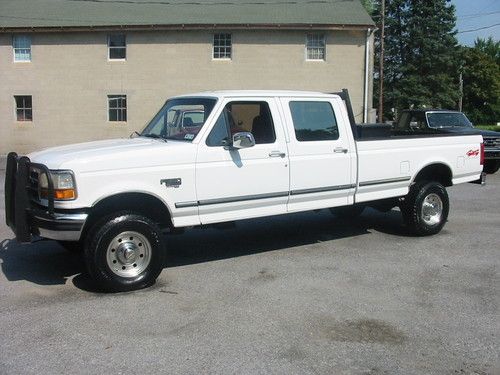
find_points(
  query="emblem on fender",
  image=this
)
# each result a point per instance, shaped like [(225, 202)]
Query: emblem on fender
[(471, 153), (171, 182)]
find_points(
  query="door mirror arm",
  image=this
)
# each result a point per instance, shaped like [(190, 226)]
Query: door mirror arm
[(227, 144)]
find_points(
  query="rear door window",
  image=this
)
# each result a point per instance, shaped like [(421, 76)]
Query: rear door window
[(314, 121)]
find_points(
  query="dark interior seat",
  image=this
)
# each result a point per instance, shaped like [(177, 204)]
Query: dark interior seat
[(188, 121), (262, 130)]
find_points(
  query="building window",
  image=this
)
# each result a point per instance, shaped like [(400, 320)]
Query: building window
[(222, 46), (117, 47), (315, 47), (24, 108), (22, 48), (117, 107)]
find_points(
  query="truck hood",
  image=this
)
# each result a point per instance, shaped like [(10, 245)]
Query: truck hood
[(489, 133), (464, 130), (115, 154)]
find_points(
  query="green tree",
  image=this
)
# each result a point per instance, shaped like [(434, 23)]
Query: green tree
[(421, 55), (369, 5), (481, 75), (394, 53), (489, 47)]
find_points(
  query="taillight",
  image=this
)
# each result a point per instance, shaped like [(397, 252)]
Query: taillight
[(481, 160)]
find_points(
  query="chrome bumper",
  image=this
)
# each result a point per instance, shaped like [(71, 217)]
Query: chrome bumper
[(58, 226)]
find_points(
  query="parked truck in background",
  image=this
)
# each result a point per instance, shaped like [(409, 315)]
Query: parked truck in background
[(425, 121), (253, 154)]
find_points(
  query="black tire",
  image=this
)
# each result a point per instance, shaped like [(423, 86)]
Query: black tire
[(491, 166), (100, 245), (431, 197), (71, 246), (348, 212)]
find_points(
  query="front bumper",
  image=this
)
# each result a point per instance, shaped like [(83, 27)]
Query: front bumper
[(28, 218)]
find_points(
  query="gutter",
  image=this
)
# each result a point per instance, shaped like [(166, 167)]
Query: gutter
[(263, 26), (369, 32)]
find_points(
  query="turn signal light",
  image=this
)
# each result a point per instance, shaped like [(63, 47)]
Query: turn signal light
[(63, 194), (59, 194)]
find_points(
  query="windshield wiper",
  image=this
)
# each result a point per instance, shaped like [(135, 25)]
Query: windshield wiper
[(135, 132), (154, 136)]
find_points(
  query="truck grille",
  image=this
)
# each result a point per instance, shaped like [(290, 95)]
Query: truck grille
[(491, 142)]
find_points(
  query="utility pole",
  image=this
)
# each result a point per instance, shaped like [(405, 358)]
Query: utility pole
[(381, 64), (460, 101)]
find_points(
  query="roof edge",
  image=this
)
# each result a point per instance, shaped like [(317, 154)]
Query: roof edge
[(187, 27)]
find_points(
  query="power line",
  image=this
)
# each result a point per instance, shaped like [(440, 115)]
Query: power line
[(479, 28), (476, 15)]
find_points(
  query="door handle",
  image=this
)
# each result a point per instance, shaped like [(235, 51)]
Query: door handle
[(277, 154), (340, 150)]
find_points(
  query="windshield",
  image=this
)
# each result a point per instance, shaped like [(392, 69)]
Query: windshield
[(448, 120), (180, 119)]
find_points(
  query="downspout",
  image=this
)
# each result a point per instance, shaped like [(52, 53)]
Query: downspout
[(367, 74)]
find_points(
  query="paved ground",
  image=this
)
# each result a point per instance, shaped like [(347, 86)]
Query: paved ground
[(302, 294)]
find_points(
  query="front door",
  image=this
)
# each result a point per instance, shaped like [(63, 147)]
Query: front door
[(244, 183)]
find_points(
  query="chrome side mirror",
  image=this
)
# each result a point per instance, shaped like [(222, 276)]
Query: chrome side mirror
[(243, 140)]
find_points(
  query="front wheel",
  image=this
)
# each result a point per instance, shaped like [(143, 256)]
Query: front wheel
[(124, 252), (425, 209)]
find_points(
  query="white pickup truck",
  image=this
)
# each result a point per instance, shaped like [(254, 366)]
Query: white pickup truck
[(249, 154)]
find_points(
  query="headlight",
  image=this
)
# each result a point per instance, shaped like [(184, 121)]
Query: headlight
[(64, 185)]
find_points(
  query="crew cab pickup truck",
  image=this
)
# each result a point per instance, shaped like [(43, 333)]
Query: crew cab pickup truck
[(256, 153), (446, 121)]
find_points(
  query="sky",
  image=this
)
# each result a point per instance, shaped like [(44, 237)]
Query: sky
[(475, 14)]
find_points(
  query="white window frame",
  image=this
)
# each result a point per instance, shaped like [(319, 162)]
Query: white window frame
[(222, 46), (315, 44), (116, 96), (16, 108), (14, 48), (117, 47)]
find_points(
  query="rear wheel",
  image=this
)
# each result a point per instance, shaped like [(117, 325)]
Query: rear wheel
[(426, 207), (124, 252)]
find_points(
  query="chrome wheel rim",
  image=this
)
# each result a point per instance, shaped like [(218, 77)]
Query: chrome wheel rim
[(128, 254), (432, 209)]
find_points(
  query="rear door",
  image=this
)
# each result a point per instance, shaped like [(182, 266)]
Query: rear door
[(245, 183), (322, 155)]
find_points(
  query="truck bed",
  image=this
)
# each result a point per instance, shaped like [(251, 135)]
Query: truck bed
[(404, 155)]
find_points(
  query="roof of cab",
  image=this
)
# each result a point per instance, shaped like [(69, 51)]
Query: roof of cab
[(257, 93)]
